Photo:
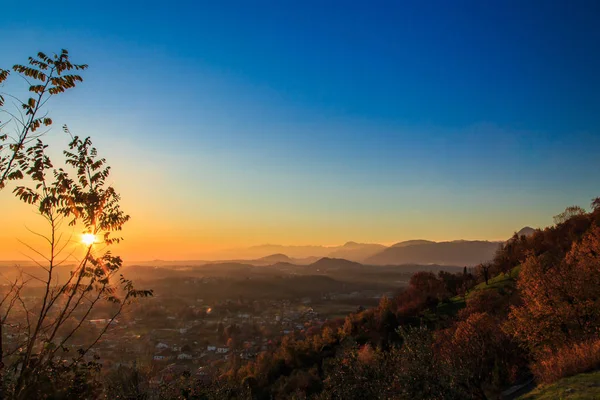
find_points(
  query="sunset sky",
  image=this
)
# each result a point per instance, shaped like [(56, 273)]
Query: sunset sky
[(231, 124)]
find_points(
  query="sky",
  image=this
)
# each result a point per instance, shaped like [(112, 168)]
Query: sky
[(230, 124)]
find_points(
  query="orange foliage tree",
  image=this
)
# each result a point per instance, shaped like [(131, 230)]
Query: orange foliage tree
[(560, 297), (478, 353)]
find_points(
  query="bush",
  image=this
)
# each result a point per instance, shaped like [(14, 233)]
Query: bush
[(569, 360)]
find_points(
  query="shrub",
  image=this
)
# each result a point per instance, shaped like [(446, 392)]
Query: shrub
[(567, 361)]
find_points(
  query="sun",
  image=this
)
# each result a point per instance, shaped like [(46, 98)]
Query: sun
[(88, 239)]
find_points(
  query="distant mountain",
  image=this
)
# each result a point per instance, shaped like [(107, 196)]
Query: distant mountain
[(412, 243), (356, 251), (276, 258), (418, 251), (351, 251), (527, 231), (326, 263), (444, 253), (255, 252)]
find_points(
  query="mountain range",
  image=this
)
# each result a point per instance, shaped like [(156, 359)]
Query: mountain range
[(462, 252), (410, 252), (422, 252)]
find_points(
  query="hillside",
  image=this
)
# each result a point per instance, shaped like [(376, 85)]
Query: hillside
[(578, 387), (467, 253), (500, 284)]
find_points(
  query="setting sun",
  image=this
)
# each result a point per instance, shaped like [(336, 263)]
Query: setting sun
[(88, 239)]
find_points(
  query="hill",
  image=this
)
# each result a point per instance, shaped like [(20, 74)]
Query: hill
[(444, 253), (327, 263), (255, 252), (526, 231), (276, 258), (356, 251), (415, 242)]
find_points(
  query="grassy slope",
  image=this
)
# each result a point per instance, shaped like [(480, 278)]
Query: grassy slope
[(500, 283), (578, 387)]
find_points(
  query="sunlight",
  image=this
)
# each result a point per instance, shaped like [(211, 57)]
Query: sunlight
[(88, 239)]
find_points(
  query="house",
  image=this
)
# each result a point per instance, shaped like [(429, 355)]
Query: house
[(184, 356)]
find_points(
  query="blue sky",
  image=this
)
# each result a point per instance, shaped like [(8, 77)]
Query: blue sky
[(321, 122)]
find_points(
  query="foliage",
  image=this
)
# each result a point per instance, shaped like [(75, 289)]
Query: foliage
[(425, 290), (569, 213), (568, 360), (60, 380), (39, 365), (479, 354), (128, 382), (84, 200), (46, 77), (560, 297)]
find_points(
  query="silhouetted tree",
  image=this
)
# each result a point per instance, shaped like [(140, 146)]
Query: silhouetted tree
[(85, 200), (47, 76), (569, 213), (596, 204), (484, 271)]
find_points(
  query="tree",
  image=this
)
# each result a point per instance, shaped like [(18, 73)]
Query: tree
[(570, 212), (560, 297), (46, 76), (88, 202), (596, 204), (485, 301), (484, 271), (473, 349)]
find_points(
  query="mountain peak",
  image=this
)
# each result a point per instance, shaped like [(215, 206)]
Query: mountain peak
[(328, 262), (279, 257)]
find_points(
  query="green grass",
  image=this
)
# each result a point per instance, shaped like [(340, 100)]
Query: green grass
[(578, 387), (500, 283)]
